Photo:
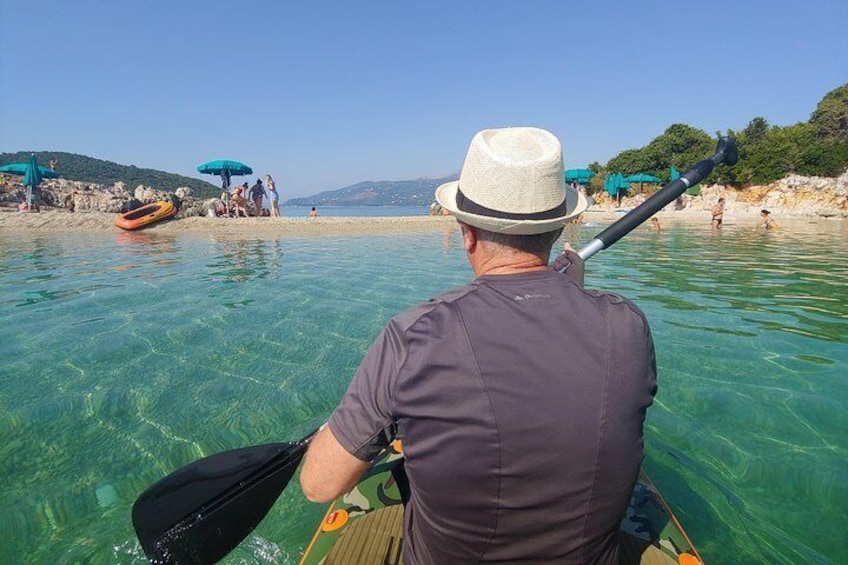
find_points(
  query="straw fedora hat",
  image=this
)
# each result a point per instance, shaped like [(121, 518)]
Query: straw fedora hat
[(512, 181)]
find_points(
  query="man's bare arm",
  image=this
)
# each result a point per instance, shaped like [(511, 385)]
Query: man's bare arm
[(329, 470)]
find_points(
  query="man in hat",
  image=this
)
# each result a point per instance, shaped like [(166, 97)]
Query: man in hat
[(519, 397)]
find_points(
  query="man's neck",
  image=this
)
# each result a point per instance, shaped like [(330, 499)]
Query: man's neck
[(509, 265)]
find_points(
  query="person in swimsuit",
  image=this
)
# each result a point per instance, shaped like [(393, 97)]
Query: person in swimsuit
[(273, 196), (257, 194), (655, 224), (718, 213), (239, 201), (766, 221)]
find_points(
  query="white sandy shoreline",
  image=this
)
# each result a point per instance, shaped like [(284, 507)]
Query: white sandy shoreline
[(93, 222)]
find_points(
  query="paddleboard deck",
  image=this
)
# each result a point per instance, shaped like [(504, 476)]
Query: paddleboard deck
[(365, 525)]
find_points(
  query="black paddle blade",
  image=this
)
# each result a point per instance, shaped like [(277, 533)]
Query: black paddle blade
[(200, 512)]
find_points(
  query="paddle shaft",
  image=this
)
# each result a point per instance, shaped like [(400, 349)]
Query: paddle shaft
[(725, 154)]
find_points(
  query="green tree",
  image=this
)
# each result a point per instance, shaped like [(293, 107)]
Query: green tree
[(680, 145), (830, 118), (756, 130)]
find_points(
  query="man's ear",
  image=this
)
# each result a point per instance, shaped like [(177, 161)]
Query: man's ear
[(469, 237)]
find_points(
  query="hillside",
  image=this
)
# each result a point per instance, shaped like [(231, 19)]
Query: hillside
[(88, 169), (417, 192)]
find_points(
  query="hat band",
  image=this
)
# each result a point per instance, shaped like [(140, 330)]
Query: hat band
[(467, 205)]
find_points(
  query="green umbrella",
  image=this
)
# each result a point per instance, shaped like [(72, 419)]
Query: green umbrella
[(21, 169), (32, 178), (615, 184), (33, 175), (580, 175), (642, 177), (225, 168)]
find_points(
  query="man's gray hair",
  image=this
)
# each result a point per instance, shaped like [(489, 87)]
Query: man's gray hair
[(537, 244)]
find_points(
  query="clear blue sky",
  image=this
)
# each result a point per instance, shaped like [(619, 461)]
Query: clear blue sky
[(327, 94)]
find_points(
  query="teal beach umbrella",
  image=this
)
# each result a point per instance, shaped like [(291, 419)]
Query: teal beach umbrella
[(582, 176), (21, 169), (673, 174), (224, 168), (33, 175), (642, 177), (215, 167), (615, 184)]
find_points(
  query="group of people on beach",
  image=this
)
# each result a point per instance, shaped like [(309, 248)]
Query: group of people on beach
[(238, 203), (235, 204)]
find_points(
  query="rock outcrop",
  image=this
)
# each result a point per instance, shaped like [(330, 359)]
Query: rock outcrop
[(76, 196)]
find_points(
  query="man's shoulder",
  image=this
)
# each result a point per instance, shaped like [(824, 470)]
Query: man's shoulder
[(409, 317), (441, 305), (616, 304)]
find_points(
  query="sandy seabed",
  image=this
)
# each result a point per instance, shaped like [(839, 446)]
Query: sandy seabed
[(53, 220)]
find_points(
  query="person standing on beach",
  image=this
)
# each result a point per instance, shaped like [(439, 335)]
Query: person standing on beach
[(717, 212), (273, 197), (225, 190), (520, 397), (313, 213), (257, 194)]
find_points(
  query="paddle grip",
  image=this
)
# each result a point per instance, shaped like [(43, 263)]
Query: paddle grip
[(725, 153)]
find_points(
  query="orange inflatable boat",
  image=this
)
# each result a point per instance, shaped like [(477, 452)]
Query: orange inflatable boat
[(146, 215)]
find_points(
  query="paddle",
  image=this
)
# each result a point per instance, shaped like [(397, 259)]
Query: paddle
[(725, 153), (200, 512)]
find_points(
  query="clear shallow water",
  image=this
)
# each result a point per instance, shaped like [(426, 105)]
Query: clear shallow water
[(128, 355), (328, 211)]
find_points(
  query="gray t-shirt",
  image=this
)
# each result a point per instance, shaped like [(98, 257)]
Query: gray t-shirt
[(520, 399)]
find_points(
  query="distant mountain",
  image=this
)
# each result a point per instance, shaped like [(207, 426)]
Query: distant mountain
[(417, 192), (88, 169)]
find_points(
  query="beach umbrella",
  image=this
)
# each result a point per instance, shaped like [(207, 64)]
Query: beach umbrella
[(673, 174), (33, 174), (582, 176), (643, 177), (21, 169), (224, 168), (615, 184)]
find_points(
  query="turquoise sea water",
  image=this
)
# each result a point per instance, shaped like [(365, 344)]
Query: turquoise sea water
[(127, 355), (335, 211)]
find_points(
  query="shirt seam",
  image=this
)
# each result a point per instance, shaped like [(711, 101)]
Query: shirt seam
[(479, 375), (601, 428)]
